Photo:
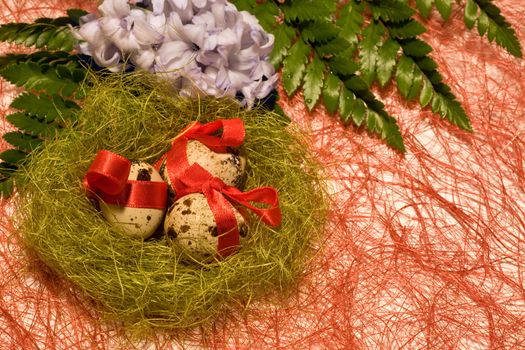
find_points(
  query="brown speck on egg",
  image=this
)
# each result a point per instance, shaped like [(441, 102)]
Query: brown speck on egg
[(185, 228), (213, 231), (148, 217), (144, 174), (243, 231), (187, 202), (186, 212), (171, 232)]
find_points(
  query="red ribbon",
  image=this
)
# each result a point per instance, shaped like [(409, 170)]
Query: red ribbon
[(220, 197), (232, 135), (107, 179)]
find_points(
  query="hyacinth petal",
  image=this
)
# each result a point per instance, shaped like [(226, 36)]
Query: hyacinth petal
[(245, 59), (174, 55), (106, 55), (218, 13), (144, 59), (115, 8), (205, 18), (110, 26), (137, 14), (181, 4), (157, 22), (175, 28), (158, 7), (194, 33), (209, 58), (200, 3), (267, 48), (85, 48), (145, 34), (88, 18), (219, 51), (90, 32)]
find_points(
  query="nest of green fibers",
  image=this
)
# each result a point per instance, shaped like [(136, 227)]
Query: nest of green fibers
[(143, 283)]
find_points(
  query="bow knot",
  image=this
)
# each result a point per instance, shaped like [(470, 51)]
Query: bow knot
[(217, 136), (107, 179), (221, 199)]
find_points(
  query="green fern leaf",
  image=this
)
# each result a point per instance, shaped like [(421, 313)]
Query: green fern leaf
[(415, 47), (327, 50), (331, 91), (444, 8), (427, 93), (386, 61), (409, 78), (283, 40), (294, 66), (391, 10), (350, 21), (414, 78), (377, 119), (74, 16), (13, 156), (351, 108), (424, 7), (266, 13), (46, 107), (33, 125), (43, 57), (344, 64), (313, 82), (52, 35), (471, 14), (6, 186), (22, 141), (319, 31), (491, 22), (406, 29), (369, 51), (307, 10), (32, 76)]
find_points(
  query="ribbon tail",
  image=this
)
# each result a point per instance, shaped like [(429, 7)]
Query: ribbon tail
[(227, 225), (233, 133), (271, 215)]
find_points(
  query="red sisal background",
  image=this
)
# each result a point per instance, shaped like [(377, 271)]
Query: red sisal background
[(424, 251)]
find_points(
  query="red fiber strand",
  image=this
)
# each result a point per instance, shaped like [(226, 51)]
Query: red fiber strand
[(423, 251)]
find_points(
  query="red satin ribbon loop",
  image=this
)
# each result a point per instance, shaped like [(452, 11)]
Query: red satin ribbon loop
[(108, 173), (217, 136), (232, 135), (107, 179), (220, 197)]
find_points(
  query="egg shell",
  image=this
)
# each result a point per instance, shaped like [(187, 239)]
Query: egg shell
[(191, 226), (230, 167), (136, 222)]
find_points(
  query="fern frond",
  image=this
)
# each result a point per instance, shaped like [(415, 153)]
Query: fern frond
[(40, 77), (52, 34), (490, 22)]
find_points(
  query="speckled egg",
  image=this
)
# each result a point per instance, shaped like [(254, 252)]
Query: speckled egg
[(191, 226), (230, 167), (136, 222)]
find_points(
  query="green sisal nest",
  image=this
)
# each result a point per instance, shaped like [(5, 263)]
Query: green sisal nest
[(143, 283)]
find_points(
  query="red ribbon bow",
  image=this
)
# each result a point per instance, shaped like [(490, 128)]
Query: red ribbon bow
[(107, 179), (219, 197), (232, 135)]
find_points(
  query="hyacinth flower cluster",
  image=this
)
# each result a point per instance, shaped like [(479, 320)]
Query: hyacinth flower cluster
[(207, 47)]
